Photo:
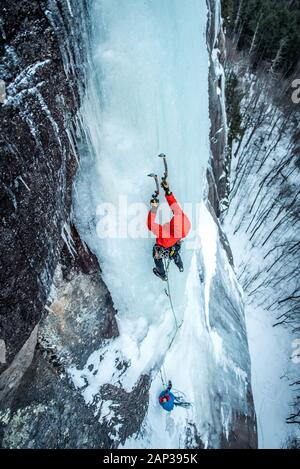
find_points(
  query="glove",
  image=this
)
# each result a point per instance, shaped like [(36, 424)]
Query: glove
[(154, 203), (165, 186)]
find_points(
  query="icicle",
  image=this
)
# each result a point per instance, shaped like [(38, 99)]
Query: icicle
[(67, 237), (22, 180)]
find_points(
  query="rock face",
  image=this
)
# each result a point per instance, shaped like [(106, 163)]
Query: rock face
[(263, 225), (45, 407), (242, 433), (217, 174), (38, 159), (218, 169)]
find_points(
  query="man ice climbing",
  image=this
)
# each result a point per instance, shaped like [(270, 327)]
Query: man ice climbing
[(168, 400), (169, 235)]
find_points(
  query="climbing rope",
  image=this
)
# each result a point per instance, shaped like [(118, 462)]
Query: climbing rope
[(163, 382), (167, 266), (178, 326)]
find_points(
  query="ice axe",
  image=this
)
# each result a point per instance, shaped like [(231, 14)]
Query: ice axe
[(156, 194), (164, 157)]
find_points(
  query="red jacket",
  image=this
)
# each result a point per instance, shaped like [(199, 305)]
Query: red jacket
[(172, 232)]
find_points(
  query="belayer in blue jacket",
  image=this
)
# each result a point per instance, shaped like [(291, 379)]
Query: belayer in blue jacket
[(167, 399)]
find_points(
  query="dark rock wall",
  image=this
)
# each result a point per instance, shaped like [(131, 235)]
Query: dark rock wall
[(243, 429), (218, 164), (218, 167), (44, 76)]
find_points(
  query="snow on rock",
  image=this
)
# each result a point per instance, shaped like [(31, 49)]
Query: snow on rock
[(263, 229), (218, 165)]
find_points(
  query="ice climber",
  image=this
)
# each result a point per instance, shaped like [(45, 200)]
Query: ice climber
[(167, 400), (169, 235)]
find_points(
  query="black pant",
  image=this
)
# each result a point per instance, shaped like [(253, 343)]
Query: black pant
[(167, 254)]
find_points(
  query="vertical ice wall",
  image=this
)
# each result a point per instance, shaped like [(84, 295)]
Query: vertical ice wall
[(148, 93)]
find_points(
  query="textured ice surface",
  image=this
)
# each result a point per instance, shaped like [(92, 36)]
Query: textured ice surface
[(148, 93), (141, 102)]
